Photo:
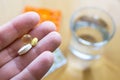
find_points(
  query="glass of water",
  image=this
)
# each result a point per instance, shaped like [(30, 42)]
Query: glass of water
[(91, 28)]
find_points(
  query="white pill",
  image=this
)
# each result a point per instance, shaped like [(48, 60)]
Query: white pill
[(24, 49)]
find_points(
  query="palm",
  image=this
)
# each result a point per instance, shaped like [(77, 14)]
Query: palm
[(34, 64)]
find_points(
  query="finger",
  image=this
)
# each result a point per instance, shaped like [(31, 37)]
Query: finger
[(39, 32), (48, 43), (37, 69), (17, 27)]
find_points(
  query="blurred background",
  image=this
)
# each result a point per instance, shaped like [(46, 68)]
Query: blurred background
[(107, 68)]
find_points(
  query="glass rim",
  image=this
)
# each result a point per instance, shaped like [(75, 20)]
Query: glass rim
[(85, 41)]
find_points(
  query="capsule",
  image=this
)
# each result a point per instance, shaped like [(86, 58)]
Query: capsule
[(26, 38), (24, 49)]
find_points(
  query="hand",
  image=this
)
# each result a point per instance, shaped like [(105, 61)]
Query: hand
[(34, 64)]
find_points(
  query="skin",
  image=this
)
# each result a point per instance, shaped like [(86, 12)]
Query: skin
[(35, 63)]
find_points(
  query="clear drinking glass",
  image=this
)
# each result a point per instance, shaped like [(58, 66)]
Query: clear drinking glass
[(91, 28)]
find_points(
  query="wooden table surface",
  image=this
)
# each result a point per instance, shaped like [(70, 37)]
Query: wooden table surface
[(107, 68)]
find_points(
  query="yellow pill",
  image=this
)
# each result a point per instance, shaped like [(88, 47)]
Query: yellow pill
[(34, 41)]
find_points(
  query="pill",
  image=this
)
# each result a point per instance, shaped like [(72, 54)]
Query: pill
[(24, 49), (34, 41), (26, 38)]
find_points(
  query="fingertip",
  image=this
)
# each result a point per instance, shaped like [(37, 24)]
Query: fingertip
[(56, 37), (33, 16), (50, 25), (49, 57)]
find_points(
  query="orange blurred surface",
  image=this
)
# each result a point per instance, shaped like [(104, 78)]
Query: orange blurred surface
[(46, 14)]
